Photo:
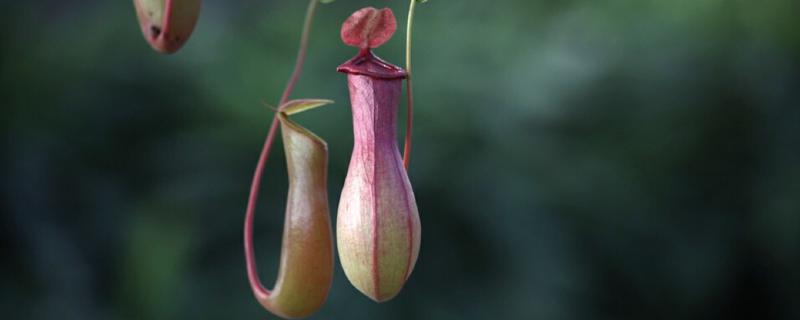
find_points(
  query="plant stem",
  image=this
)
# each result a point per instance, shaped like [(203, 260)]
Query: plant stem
[(409, 87), (301, 53), (252, 272)]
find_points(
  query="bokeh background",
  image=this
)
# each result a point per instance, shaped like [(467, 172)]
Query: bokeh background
[(572, 160)]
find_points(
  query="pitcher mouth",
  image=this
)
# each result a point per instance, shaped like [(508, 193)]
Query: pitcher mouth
[(368, 64)]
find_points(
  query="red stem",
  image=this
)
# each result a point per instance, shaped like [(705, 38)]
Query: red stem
[(409, 122), (252, 272), (409, 88)]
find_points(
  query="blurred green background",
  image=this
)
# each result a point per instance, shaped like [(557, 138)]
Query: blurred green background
[(572, 160)]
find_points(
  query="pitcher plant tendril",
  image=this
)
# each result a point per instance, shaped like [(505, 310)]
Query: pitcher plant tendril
[(306, 262), (409, 84), (378, 227)]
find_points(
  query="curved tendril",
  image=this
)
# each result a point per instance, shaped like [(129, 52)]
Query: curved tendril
[(252, 273), (409, 87)]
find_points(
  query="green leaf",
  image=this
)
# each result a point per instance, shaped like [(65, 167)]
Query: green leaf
[(300, 105), (326, 1)]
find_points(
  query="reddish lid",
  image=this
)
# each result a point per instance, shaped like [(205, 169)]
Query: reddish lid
[(368, 64)]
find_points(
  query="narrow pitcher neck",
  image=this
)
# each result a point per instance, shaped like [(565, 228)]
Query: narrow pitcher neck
[(374, 103)]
